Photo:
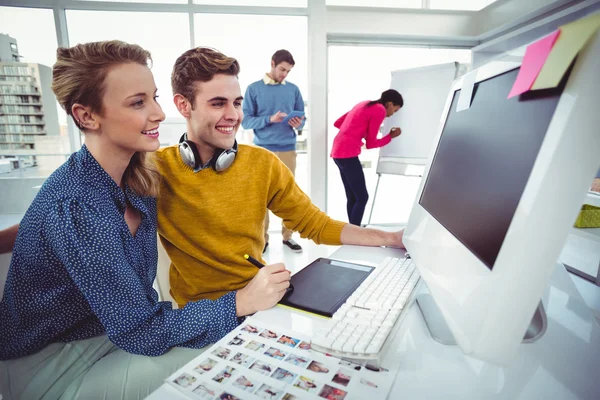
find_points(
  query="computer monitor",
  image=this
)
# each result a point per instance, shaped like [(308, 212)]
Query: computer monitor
[(498, 197)]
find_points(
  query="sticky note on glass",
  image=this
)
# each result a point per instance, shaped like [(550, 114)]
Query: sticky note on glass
[(571, 40), (466, 91), (533, 61)]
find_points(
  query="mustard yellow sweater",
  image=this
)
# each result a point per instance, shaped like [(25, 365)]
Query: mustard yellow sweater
[(207, 220)]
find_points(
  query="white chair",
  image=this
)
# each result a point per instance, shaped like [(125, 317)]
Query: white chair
[(162, 275)]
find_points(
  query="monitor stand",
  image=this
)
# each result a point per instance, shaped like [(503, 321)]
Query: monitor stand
[(442, 334)]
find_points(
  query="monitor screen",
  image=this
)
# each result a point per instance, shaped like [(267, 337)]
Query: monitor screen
[(483, 161)]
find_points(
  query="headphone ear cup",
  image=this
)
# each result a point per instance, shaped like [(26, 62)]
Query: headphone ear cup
[(214, 162), (189, 154), (225, 158)]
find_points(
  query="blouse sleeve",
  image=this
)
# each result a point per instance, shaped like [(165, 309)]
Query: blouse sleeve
[(375, 122), (91, 248)]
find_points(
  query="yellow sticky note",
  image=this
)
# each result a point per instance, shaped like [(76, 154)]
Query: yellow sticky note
[(571, 40)]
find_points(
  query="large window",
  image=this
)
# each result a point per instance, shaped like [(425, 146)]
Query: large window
[(141, 28), (37, 48), (358, 73)]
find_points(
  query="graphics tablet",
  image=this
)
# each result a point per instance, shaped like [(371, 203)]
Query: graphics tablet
[(324, 285)]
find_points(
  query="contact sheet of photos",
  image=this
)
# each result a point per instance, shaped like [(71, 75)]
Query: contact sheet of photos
[(253, 362)]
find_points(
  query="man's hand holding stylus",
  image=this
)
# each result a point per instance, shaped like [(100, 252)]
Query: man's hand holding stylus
[(264, 290)]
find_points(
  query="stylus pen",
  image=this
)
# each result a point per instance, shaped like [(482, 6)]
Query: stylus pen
[(258, 264), (253, 261)]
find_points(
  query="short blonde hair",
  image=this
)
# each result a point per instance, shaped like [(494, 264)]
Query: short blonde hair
[(79, 77)]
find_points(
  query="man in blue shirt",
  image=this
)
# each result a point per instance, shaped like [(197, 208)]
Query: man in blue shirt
[(266, 104)]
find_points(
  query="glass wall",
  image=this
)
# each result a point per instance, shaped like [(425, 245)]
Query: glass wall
[(33, 128), (165, 45), (358, 73)]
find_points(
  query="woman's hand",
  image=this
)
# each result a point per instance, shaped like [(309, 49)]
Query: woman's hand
[(395, 132)]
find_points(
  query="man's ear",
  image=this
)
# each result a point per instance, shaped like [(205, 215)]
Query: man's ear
[(84, 118), (272, 64), (183, 105)]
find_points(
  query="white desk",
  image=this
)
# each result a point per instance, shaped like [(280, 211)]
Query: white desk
[(563, 364)]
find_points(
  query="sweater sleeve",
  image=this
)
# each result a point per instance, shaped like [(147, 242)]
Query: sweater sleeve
[(299, 106), (87, 241), (340, 121), (294, 207), (375, 122), (251, 118)]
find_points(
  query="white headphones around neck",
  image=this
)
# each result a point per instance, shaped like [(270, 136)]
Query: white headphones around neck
[(220, 161)]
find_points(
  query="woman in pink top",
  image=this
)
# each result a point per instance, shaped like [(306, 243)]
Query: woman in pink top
[(362, 122)]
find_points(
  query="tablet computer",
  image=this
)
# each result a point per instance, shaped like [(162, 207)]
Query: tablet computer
[(292, 115), (324, 285)]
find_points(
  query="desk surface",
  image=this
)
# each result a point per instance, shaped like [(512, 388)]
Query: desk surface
[(563, 364)]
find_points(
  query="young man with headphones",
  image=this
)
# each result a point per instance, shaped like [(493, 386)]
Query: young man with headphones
[(214, 193)]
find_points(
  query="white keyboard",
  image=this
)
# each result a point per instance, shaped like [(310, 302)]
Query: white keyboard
[(360, 327)]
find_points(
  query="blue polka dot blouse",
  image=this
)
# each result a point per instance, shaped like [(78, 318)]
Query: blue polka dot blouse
[(77, 272)]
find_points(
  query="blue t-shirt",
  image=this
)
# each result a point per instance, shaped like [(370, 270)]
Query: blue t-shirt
[(78, 272)]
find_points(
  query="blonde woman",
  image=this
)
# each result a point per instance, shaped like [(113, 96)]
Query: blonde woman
[(79, 316)]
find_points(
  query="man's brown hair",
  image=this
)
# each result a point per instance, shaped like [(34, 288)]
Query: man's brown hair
[(200, 65), (283, 56)]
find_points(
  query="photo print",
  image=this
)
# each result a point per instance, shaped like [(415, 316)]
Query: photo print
[(245, 384), (242, 359), (332, 393), (275, 353), (205, 392), (262, 368), (267, 334), (252, 329), (269, 392), (283, 375), (254, 345), (236, 341), (224, 376), (316, 366), (304, 345), (343, 376), (288, 341), (205, 366), (306, 384), (297, 360), (185, 380), (228, 396), (221, 352)]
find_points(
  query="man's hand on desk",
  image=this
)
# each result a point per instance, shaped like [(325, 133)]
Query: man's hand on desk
[(264, 290), (356, 235)]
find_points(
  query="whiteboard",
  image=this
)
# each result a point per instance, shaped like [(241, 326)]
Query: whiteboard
[(425, 91)]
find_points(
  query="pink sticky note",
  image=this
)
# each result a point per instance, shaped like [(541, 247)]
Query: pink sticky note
[(533, 61)]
